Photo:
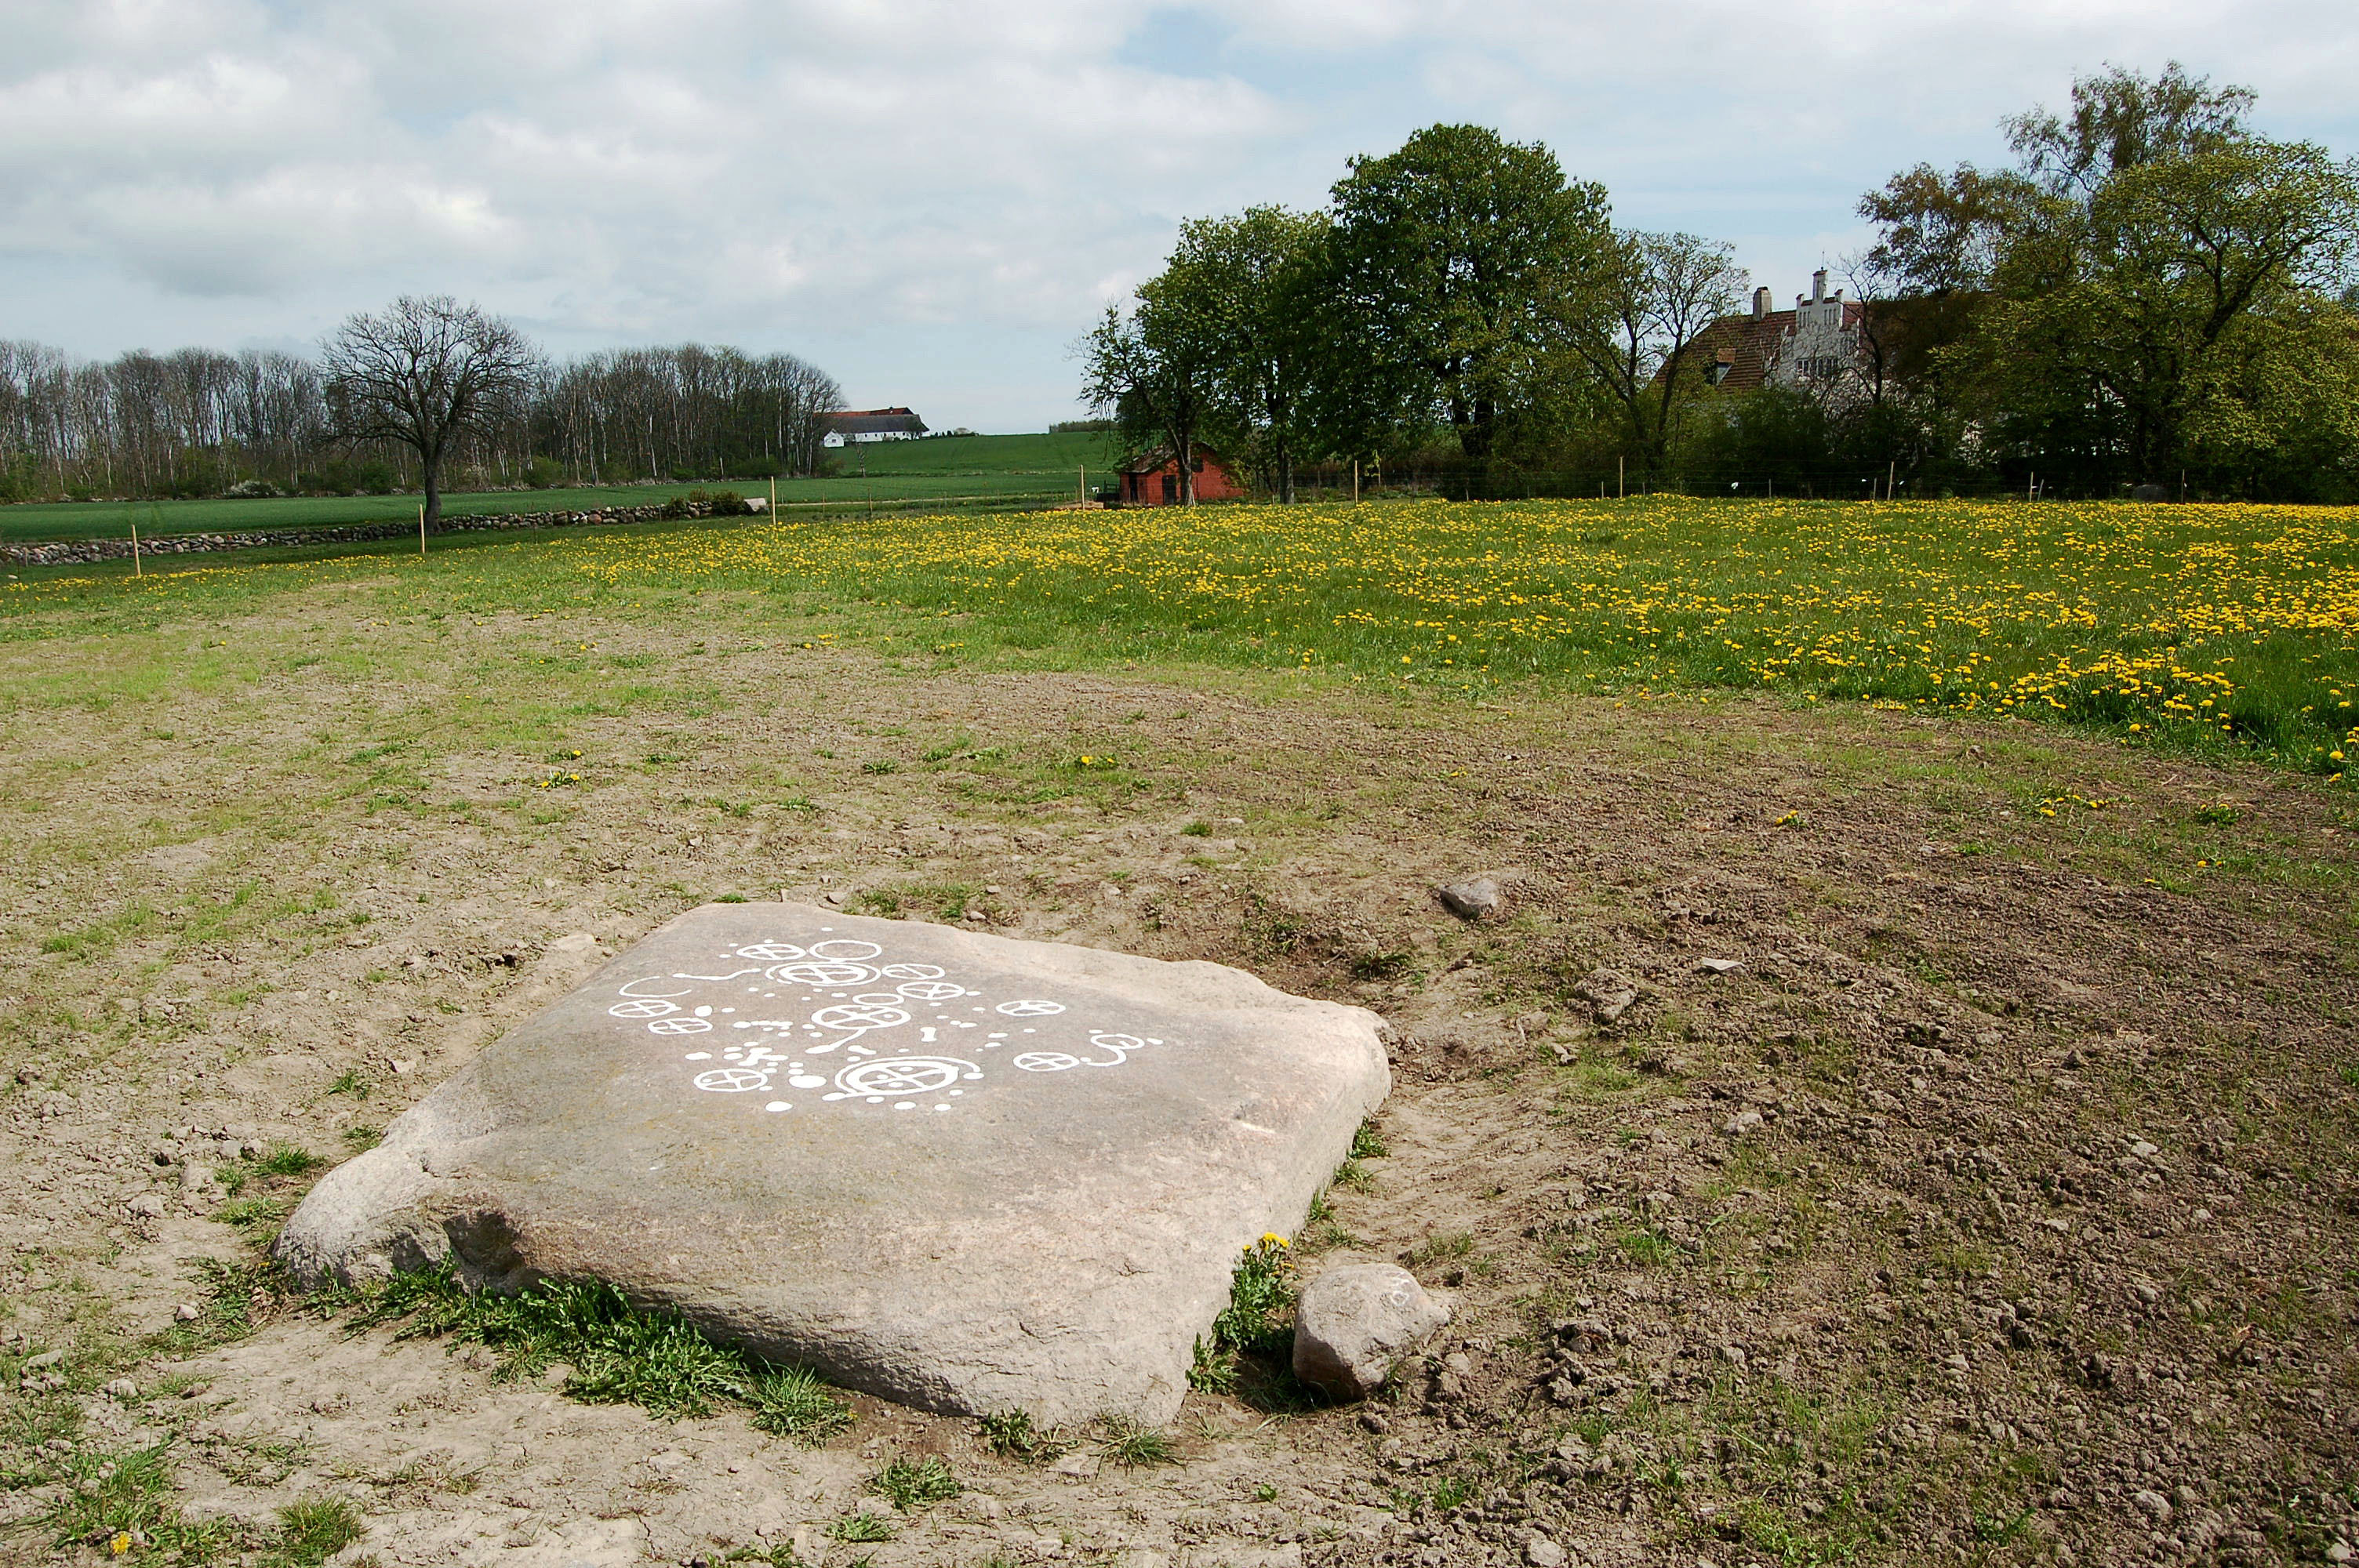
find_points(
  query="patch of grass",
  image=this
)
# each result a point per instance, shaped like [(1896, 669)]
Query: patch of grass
[(247, 1213), (792, 1401), (1441, 1248), (225, 1305), (1368, 1143), (945, 902), (1011, 1436), (314, 1529), (1591, 1079), (1322, 1220), (1453, 1491), (360, 1140), (1647, 1248), (1133, 1446), (350, 1082), (1199, 829), (2220, 814), (862, 1527), (123, 1501), (286, 1160), (1249, 1350), (616, 1353), (913, 1484), (99, 938)]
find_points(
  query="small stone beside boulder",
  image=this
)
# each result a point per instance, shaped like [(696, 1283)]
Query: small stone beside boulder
[(1356, 1322)]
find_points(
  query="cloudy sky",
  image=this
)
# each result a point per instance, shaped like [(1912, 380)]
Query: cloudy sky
[(932, 199)]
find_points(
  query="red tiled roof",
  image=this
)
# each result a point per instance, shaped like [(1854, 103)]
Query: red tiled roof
[(1749, 343)]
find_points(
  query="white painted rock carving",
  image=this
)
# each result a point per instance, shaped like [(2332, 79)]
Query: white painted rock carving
[(1354, 1323), (963, 1172)]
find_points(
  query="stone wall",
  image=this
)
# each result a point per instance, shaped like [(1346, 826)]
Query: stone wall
[(68, 552)]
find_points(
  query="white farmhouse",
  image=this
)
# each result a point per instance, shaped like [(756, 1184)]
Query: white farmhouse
[(857, 426)]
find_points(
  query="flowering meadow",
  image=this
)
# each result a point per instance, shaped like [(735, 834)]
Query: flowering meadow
[(2210, 625), (2202, 627)]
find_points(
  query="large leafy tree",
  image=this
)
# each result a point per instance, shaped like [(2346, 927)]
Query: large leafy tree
[(2155, 287), (1243, 294), (1458, 267)]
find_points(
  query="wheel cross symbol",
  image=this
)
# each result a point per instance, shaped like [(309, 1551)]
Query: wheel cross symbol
[(901, 1076), (823, 972), (932, 991), (1030, 1008), (679, 1026), (642, 1007), (732, 1080), (771, 952), (859, 1015)]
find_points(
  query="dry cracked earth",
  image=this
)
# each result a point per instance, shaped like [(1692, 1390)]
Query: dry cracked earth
[(1834, 1156)]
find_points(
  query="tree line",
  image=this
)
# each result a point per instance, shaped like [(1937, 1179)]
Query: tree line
[(2153, 294), (199, 422)]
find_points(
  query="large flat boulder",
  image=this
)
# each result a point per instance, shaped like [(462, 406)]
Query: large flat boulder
[(963, 1172)]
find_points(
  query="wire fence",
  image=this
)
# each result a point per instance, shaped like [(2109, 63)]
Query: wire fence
[(1328, 482)]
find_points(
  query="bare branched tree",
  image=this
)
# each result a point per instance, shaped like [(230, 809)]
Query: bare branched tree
[(425, 372), (1659, 294)]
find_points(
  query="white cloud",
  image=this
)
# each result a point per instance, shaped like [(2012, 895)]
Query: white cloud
[(939, 194)]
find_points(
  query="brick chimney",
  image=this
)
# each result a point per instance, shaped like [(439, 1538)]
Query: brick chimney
[(1761, 303)]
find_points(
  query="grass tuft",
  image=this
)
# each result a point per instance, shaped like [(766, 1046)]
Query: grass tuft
[(1011, 1436), (913, 1484), (247, 1214), (791, 1402), (314, 1529), (286, 1160), (1133, 1446)]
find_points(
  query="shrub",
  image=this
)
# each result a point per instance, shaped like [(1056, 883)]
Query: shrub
[(729, 503), (543, 473)]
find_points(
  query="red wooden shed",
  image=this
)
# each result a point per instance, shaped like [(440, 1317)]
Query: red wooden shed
[(1152, 479)]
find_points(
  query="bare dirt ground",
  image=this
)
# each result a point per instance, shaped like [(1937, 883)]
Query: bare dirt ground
[(1997, 1206)]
